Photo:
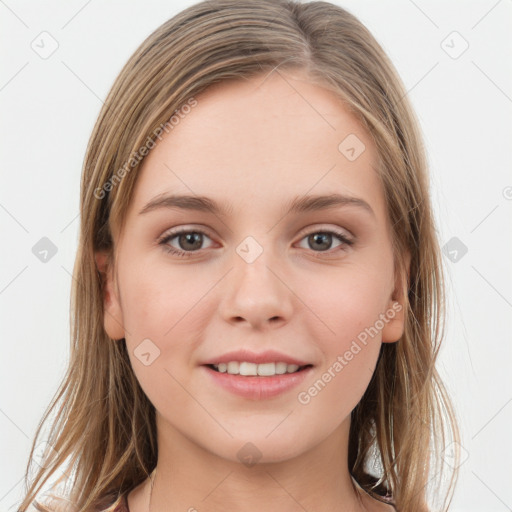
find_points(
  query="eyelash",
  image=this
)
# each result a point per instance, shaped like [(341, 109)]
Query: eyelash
[(187, 254)]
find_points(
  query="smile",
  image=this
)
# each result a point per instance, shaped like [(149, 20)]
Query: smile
[(249, 384), (252, 369)]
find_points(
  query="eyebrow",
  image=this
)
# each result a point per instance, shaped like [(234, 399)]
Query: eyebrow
[(301, 204)]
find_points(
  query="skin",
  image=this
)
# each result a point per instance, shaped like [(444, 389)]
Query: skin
[(254, 145)]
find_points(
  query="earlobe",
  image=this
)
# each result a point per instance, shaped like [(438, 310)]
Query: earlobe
[(112, 312), (394, 328), (395, 314)]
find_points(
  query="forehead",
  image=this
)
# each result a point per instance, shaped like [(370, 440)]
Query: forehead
[(261, 141)]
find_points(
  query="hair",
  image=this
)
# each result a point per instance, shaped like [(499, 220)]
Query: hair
[(104, 423)]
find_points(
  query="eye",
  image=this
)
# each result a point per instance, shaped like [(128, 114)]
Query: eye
[(321, 241), (185, 242), (188, 241)]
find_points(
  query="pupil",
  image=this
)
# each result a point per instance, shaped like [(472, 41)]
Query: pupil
[(191, 237), (321, 237)]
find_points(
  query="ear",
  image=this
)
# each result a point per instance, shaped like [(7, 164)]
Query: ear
[(394, 328), (112, 312)]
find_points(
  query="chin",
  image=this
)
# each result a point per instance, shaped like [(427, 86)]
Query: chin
[(258, 449)]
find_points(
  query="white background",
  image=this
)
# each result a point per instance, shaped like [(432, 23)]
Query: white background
[(464, 105)]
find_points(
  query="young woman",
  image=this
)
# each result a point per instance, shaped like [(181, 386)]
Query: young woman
[(258, 293)]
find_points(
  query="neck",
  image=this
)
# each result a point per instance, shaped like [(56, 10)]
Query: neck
[(190, 478)]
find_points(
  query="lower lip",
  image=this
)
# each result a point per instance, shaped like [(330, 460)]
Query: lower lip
[(258, 388)]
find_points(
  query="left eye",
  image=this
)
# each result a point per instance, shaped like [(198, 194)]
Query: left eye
[(323, 240)]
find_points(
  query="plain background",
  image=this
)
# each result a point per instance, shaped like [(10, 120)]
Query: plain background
[(463, 100)]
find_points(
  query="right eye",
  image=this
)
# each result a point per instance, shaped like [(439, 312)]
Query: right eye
[(188, 241)]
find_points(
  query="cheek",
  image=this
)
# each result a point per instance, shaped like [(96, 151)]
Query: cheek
[(163, 314), (155, 313), (346, 331), (346, 303), (157, 302)]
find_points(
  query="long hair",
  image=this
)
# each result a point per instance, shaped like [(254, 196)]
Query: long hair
[(102, 423)]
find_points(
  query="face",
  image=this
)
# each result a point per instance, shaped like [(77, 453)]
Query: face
[(311, 284)]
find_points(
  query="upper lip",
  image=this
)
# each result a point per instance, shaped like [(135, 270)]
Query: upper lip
[(269, 356)]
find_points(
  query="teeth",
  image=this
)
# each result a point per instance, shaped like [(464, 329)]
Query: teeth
[(248, 369), (266, 369), (263, 370), (281, 368), (233, 367)]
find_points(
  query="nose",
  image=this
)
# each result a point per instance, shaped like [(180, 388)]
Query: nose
[(257, 293)]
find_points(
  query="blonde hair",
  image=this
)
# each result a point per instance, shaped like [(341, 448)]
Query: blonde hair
[(105, 424)]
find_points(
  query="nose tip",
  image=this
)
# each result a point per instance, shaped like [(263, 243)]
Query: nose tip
[(255, 293)]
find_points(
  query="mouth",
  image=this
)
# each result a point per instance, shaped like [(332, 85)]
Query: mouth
[(257, 381), (247, 369)]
